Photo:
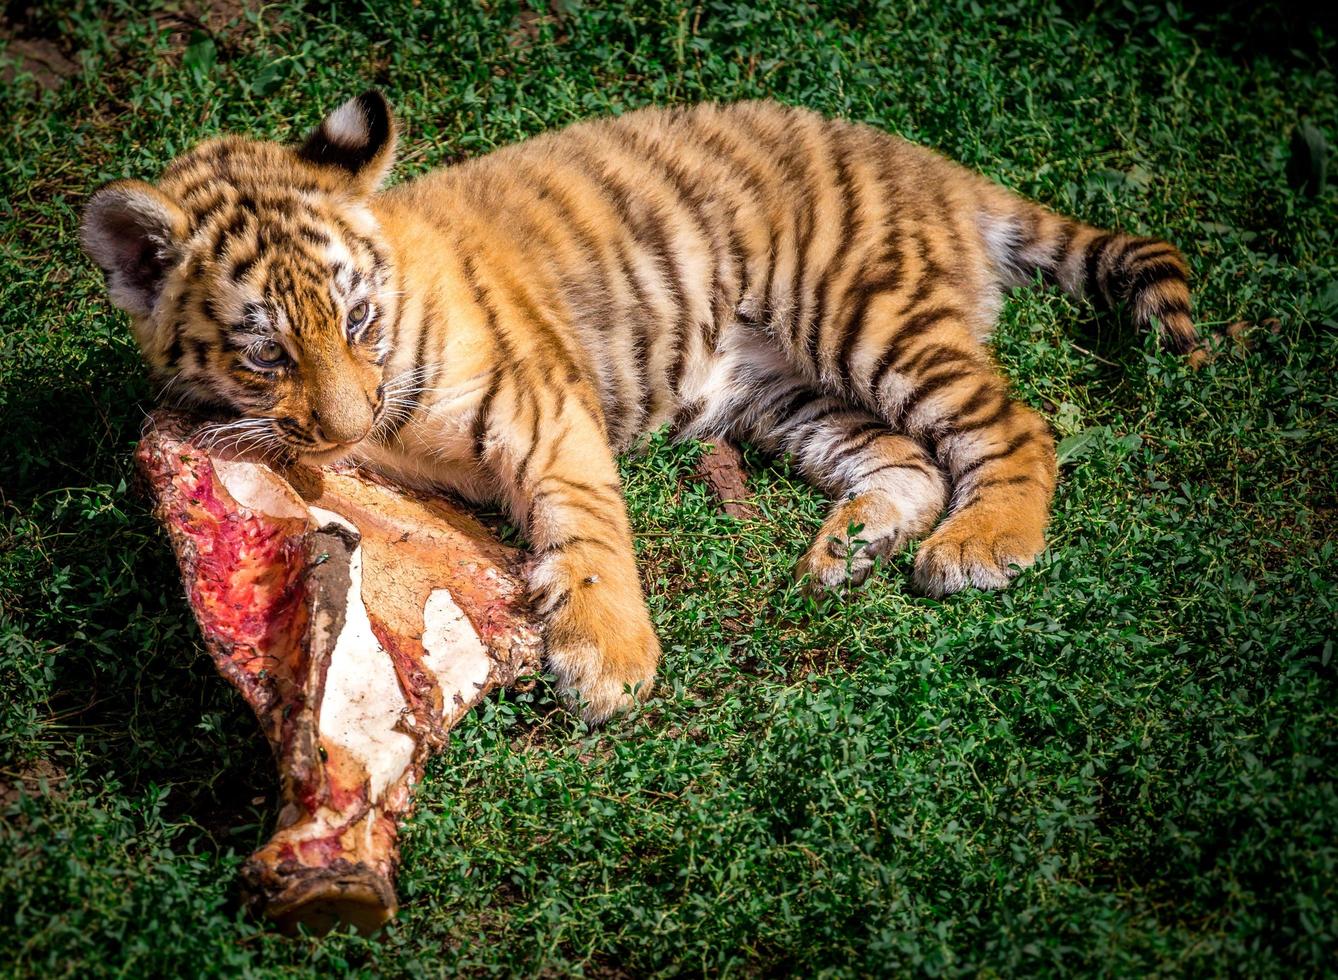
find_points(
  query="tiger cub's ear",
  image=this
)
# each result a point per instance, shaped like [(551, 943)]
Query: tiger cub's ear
[(358, 137), (136, 234)]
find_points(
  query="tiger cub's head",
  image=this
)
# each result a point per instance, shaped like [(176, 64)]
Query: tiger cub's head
[(258, 281)]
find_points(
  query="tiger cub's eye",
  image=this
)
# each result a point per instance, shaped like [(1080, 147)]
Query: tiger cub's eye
[(270, 354), (358, 315)]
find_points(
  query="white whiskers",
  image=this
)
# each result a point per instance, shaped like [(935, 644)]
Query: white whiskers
[(406, 393), (243, 436)]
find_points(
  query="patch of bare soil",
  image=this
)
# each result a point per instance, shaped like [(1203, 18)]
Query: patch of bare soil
[(40, 58), (39, 778), (37, 45)]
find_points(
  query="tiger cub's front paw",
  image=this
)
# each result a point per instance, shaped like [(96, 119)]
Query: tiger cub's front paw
[(598, 637)]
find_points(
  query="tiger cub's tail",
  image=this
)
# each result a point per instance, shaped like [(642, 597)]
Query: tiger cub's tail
[(1149, 275)]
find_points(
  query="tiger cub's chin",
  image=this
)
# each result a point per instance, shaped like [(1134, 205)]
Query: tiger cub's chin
[(327, 457)]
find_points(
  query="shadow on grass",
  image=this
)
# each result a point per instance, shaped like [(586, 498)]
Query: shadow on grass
[(89, 581)]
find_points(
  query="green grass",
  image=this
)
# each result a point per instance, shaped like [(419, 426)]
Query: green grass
[(1122, 765)]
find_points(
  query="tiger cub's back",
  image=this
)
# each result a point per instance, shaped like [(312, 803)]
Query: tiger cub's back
[(652, 232)]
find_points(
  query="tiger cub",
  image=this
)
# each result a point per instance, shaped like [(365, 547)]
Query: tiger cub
[(502, 327)]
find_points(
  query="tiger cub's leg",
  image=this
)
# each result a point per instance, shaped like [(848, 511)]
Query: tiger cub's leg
[(895, 493), (942, 387), (547, 448), (887, 489)]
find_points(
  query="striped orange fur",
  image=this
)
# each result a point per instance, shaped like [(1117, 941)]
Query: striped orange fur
[(504, 326)]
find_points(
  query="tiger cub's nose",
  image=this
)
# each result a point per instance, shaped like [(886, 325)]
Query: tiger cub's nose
[(345, 421)]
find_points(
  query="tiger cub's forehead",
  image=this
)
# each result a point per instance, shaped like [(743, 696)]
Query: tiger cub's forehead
[(234, 188)]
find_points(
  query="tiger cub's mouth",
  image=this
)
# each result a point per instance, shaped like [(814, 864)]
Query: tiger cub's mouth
[(312, 445), (322, 452)]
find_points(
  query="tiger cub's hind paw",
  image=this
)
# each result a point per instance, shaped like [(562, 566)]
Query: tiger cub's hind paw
[(974, 552), (858, 532)]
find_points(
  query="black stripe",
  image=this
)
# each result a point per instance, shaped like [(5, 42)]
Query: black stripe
[(200, 353), (799, 326), (1169, 307), (927, 387), (1147, 250), (773, 244), (1010, 447), (932, 275), (721, 144), (640, 343), (392, 326), (554, 348), (978, 398), (599, 493), (862, 436), (1058, 253), (1005, 481), (740, 166), (1174, 306), (540, 323), (561, 601), (403, 413), (824, 412), (242, 266), (797, 395), (174, 348), (352, 237), (483, 297), (797, 184), (233, 229), (915, 326), (1128, 247), (647, 233), (295, 431), (1029, 229), (1154, 274), (256, 381), (211, 312), (975, 497), (313, 235), (889, 281), (570, 503), (211, 208), (931, 356), (479, 431), (1004, 410), (738, 264), (596, 284), (852, 327), (580, 539), (534, 443), (649, 151), (646, 150), (626, 400), (919, 467), (1096, 249)]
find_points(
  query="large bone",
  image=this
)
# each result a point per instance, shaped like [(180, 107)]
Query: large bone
[(360, 621)]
